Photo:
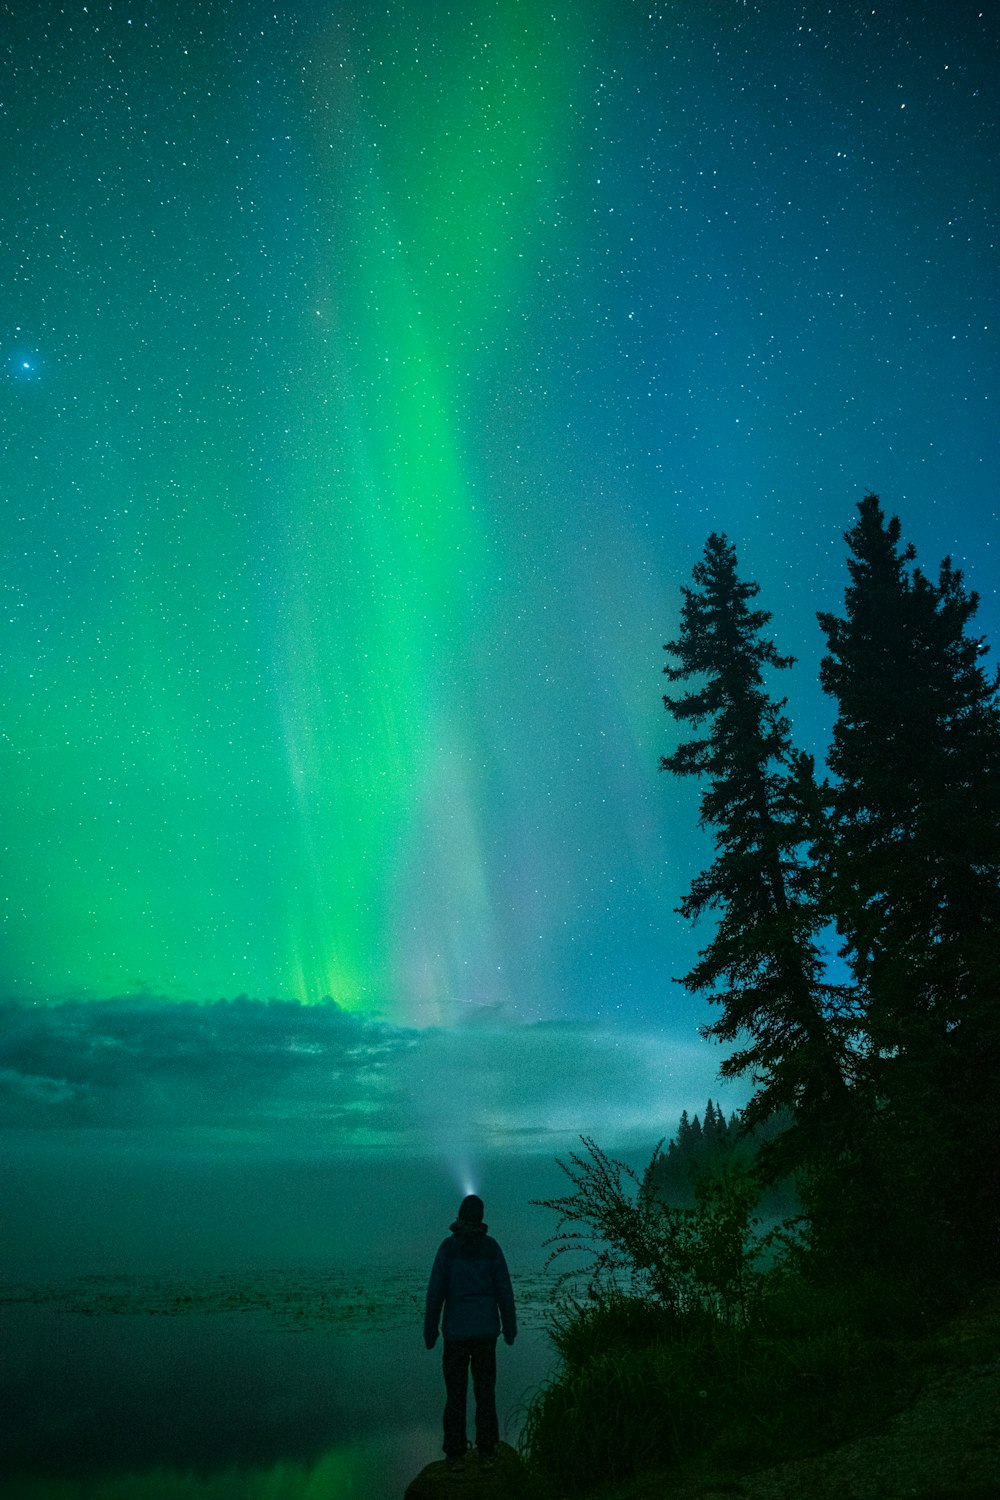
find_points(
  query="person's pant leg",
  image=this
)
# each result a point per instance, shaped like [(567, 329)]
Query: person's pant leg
[(455, 1364), (484, 1386)]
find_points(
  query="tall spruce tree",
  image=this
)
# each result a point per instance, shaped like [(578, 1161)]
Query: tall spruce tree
[(764, 965), (916, 796), (913, 867)]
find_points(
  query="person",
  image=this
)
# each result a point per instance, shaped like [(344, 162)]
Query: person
[(470, 1281)]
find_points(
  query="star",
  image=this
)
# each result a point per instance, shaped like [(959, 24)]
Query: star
[(24, 366)]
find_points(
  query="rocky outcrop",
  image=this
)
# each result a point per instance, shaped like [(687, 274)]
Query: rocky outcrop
[(508, 1480)]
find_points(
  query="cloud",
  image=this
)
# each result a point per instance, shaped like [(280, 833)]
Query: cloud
[(238, 1064), (275, 1070), (551, 1082)]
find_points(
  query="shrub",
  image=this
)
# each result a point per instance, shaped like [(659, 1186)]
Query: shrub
[(685, 1259), (684, 1337)]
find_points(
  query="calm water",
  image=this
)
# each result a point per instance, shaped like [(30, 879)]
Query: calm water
[(279, 1386)]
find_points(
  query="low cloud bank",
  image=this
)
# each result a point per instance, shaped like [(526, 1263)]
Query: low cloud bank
[(272, 1071)]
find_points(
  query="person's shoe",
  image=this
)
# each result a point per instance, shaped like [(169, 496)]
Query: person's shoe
[(488, 1460), (454, 1460)]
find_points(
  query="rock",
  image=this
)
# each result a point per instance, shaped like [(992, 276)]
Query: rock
[(509, 1480)]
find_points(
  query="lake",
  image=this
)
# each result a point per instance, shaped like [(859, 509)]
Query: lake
[(276, 1385)]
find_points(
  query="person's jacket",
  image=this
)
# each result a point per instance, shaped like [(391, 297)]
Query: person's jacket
[(470, 1280)]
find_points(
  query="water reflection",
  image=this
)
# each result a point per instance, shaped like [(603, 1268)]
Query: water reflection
[(224, 1403), (365, 1469)]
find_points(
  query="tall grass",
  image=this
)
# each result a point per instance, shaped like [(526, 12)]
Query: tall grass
[(642, 1387)]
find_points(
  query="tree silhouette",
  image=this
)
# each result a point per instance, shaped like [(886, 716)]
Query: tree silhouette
[(912, 859), (763, 965)]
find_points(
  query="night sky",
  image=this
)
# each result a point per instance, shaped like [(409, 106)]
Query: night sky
[(372, 377)]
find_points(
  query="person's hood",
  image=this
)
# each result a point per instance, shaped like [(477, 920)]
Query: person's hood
[(468, 1231)]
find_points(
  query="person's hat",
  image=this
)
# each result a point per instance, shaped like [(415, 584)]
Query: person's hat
[(470, 1210)]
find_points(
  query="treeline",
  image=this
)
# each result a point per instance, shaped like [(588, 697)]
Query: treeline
[(894, 846), (697, 1147), (710, 1145)]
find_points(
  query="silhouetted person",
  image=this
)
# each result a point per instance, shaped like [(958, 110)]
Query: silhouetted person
[(471, 1282)]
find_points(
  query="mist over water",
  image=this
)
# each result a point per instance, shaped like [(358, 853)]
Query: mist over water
[(216, 1404), (137, 1190), (129, 1379), (90, 1205), (153, 1148), (244, 1395)]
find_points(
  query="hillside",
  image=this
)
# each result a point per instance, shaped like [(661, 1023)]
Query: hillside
[(941, 1443)]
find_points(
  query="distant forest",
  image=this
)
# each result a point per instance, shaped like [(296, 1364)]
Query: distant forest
[(709, 1144), (697, 1146)]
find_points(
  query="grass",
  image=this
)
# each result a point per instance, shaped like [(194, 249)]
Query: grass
[(641, 1388)]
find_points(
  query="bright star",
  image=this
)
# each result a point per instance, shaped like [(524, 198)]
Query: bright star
[(22, 367)]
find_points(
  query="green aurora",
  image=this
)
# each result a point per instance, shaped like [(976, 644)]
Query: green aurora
[(373, 379)]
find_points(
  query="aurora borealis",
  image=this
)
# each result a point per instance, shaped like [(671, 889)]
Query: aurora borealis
[(373, 376), (276, 570)]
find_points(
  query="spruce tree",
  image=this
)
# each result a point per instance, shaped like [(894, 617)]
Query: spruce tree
[(913, 857), (916, 796), (763, 966)]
